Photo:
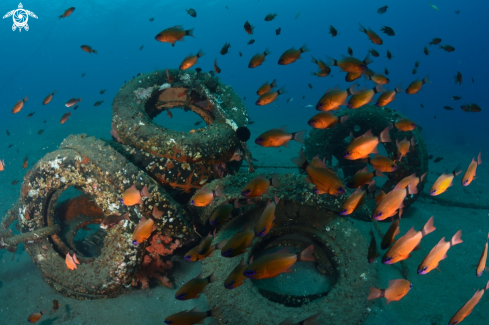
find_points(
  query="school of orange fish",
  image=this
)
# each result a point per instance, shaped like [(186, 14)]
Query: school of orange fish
[(318, 173)]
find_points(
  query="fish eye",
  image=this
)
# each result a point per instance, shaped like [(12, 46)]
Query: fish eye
[(341, 190), (227, 253), (343, 212), (192, 202), (422, 271), (135, 242), (259, 139), (249, 272), (261, 233), (410, 286), (246, 192), (168, 321), (215, 221), (122, 201), (347, 153), (180, 296), (188, 257)]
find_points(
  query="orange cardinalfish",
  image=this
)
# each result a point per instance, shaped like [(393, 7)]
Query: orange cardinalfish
[(35, 317), (266, 87), (391, 234), (258, 59), (133, 196), (270, 96), (323, 66), (372, 249), (216, 68), (458, 78), (65, 117), (393, 201), (364, 97), (2, 165), (406, 181), (67, 12), (470, 173), (143, 230), (73, 102), (362, 177), (371, 35), (332, 99), (194, 316), (273, 264), (279, 137), (193, 288), (468, 307), (71, 261), (265, 223), (221, 215), (205, 243), (416, 85), (350, 64), (394, 292), (238, 244), (204, 196), (366, 144), (326, 120), (377, 78), (248, 28), (438, 253), (404, 124), (403, 147), (193, 256), (19, 105), (113, 219), (292, 54), (190, 60), (350, 76), (173, 34), (320, 73), (481, 266), (48, 98), (88, 49), (356, 199), (259, 185), (403, 247), (382, 164), (388, 96), (322, 177), (26, 162), (236, 277), (444, 182)]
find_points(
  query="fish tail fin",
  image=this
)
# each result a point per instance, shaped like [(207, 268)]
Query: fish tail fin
[(236, 204), (399, 89), (479, 159), (343, 119), (94, 51), (201, 53), (378, 173), (367, 59), (353, 89), (421, 179), (428, 227), (211, 278), (221, 244), (487, 286), (25, 98), (274, 181), (412, 142), (378, 89), (219, 191), (375, 293), (190, 32), (273, 84), (457, 170), (59, 17), (362, 29), (216, 312), (384, 136), (331, 61), (426, 80), (276, 199), (300, 161), (267, 52), (366, 76), (304, 48), (145, 192), (457, 238), (306, 254), (299, 136), (314, 60), (371, 188), (282, 90), (411, 188), (80, 99)]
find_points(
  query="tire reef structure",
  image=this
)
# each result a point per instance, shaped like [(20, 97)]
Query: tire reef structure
[(302, 218), (198, 151), (332, 142), (102, 174)]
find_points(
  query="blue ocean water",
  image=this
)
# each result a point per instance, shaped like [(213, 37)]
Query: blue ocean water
[(48, 57)]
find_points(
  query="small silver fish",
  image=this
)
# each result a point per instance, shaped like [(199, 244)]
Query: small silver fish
[(307, 106), (289, 100)]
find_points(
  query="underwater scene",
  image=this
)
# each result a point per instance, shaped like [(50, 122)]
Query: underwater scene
[(244, 162)]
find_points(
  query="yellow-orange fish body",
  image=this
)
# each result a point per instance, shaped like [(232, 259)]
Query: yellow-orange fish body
[(363, 98), (481, 266), (237, 244), (438, 253), (19, 105), (470, 173), (389, 205), (390, 235), (326, 120), (379, 79), (35, 317), (193, 288), (403, 147), (416, 85), (48, 98), (266, 87), (259, 185), (383, 164), (88, 49), (443, 182), (67, 12), (133, 196), (363, 177), (396, 290), (190, 60), (271, 265), (205, 244), (278, 137), (173, 34), (65, 118), (193, 316), (403, 247), (323, 66), (291, 55), (352, 76), (468, 307), (142, 231), (362, 146), (257, 59), (388, 96), (404, 124), (353, 202), (269, 97), (236, 277), (372, 35), (221, 215), (193, 256), (332, 99), (265, 222), (204, 196), (350, 64)]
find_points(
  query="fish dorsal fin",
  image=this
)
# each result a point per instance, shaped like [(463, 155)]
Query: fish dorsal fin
[(143, 219), (410, 232), (441, 242), (366, 134), (195, 309), (282, 128), (316, 162), (363, 170), (337, 87), (282, 251), (358, 190)]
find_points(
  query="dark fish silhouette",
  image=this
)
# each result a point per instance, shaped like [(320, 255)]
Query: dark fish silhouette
[(458, 78), (421, 105), (225, 48), (40, 131), (448, 108), (350, 51), (456, 97), (251, 41), (98, 103), (83, 74), (389, 54), (415, 70), (192, 12), (142, 46), (248, 28), (198, 70), (435, 41), (332, 31), (8, 133), (374, 53), (251, 122), (438, 159), (387, 30), (15, 182), (151, 19), (102, 91), (386, 71), (382, 10), (457, 12), (416, 64), (74, 108), (277, 31), (447, 47), (270, 17), (240, 55), (30, 114), (310, 86), (430, 157), (425, 50), (472, 79), (197, 123), (372, 249)]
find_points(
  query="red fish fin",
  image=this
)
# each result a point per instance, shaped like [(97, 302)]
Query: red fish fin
[(285, 144), (428, 227), (195, 309), (363, 170), (375, 293), (145, 192), (378, 173), (343, 119), (412, 189), (366, 134), (299, 136), (299, 161), (219, 191), (75, 259), (400, 212), (422, 178), (212, 278), (282, 128), (375, 150), (290, 269), (410, 232), (306, 254), (457, 238), (384, 136)]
